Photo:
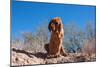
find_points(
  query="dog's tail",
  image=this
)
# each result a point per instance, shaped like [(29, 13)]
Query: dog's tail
[(46, 47)]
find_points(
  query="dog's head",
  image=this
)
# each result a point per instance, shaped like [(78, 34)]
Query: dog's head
[(55, 24)]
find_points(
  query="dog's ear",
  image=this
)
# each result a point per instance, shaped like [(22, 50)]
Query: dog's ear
[(49, 26), (60, 27)]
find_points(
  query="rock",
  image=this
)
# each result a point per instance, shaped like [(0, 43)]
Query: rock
[(22, 57)]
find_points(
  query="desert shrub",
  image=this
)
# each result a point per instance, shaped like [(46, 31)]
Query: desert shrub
[(73, 38), (35, 41), (89, 47), (17, 43)]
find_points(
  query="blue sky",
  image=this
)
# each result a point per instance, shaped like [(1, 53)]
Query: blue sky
[(26, 16)]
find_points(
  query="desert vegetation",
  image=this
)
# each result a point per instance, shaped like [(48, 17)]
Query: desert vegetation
[(79, 44)]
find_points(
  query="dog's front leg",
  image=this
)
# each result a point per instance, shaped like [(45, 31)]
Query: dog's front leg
[(62, 52)]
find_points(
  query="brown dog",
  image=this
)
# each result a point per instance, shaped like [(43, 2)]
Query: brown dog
[(54, 48)]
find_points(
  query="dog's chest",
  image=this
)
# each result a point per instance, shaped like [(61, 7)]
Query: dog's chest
[(57, 35)]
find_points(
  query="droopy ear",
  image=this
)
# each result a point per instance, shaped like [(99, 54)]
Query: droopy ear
[(49, 26), (60, 27)]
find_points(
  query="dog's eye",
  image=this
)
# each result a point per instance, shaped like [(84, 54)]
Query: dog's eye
[(55, 23)]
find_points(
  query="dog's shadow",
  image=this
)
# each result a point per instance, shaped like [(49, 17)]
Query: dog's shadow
[(30, 54)]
